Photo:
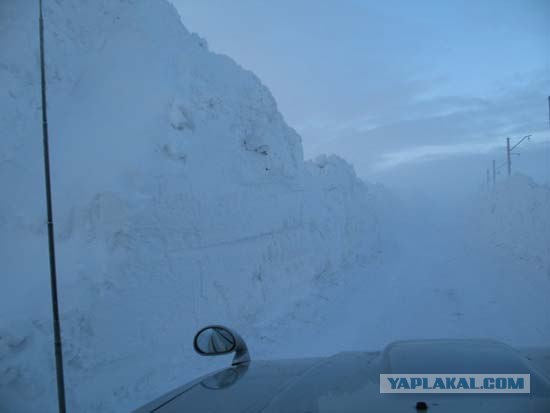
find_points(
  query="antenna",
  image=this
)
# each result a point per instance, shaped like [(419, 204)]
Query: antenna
[(51, 239)]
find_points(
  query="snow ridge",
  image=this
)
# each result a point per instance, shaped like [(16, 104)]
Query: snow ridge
[(516, 218), (181, 197)]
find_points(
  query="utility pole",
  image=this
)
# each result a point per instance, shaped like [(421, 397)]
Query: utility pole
[(508, 156), (494, 173), (509, 151), (51, 239)]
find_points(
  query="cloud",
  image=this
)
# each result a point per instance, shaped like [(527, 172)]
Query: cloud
[(422, 127), (433, 152)]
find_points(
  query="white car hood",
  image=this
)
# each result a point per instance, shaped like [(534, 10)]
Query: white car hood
[(349, 382)]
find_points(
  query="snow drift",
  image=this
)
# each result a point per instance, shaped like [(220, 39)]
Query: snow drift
[(516, 219), (181, 197)]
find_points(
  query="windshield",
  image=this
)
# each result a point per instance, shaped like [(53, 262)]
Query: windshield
[(320, 177)]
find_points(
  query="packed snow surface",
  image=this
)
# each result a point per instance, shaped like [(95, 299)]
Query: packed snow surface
[(181, 198)]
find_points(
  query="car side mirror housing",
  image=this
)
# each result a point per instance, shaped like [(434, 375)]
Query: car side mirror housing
[(216, 340)]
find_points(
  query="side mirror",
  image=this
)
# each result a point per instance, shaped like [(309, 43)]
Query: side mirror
[(216, 340), (225, 378)]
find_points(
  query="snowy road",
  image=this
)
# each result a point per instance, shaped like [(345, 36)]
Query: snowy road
[(441, 280), (436, 276)]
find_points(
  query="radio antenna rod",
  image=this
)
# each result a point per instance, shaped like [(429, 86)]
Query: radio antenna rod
[(51, 239)]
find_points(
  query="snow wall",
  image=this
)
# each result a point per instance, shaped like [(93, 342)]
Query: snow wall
[(181, 197), (516, 219)]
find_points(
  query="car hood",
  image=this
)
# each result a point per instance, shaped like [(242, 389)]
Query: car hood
[(350, 382)]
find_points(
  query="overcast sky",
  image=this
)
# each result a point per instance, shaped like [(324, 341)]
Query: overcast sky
[(393, 84)]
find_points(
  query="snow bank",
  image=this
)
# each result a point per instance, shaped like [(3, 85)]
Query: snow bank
[(516, 218), (181, 197)]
